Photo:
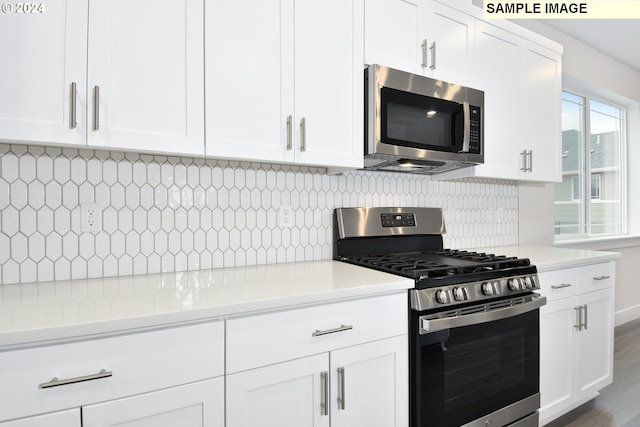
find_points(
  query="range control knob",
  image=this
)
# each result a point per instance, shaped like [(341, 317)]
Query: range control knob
[(487, 289), (514, 284), (528, 282), (459, 294), (442, 297)]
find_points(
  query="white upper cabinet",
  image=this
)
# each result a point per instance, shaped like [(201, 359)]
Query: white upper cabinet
[(521, 76), (44, 59), (112, 74), (329, 82), (499, 79), (541, 114), (146, 60), (446, 42), (285, 81), (249, 72), (419, 36), (392, 34)]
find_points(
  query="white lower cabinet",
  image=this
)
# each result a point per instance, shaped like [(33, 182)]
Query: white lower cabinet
[(369, 384), (339, 364), (576, 337), (168, 377), (284, 394), (364, 385), (70, 418), (342, 364), (199, 404)]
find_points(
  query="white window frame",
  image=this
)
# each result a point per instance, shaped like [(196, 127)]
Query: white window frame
[(586, 235)]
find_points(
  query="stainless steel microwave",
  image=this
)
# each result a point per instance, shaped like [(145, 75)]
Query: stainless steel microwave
[(420, 125)]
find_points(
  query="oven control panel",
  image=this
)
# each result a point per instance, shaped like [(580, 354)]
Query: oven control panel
[(430, 298), (404, 219)]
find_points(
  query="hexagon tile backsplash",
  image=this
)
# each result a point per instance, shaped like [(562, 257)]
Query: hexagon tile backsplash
[(163, 214)]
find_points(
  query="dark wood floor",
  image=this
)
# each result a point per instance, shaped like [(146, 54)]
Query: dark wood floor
[(618, 404)]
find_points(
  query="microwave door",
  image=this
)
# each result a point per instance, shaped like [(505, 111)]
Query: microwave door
[(422, 122)]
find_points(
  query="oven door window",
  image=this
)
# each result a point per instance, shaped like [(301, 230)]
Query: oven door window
[(423, 122), (469, 372)]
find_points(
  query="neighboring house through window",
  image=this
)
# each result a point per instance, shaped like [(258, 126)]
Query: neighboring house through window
[(593, 149)]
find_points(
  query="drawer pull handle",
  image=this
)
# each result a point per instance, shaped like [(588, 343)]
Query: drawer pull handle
[(342, 328), (560, 286), (55, 382), (602, 278)]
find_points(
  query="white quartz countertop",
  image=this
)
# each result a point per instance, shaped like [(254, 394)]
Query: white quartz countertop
[(552, 258), (37, 312)]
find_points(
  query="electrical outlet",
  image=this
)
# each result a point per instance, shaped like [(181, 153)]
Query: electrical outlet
[(90, 217), (285, 217)]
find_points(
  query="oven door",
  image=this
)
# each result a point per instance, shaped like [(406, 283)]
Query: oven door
[(483, 373)]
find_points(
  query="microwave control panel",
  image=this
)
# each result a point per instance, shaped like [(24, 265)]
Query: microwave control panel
[(474, 129)]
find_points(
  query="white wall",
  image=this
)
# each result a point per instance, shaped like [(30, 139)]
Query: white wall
[(585, 67)]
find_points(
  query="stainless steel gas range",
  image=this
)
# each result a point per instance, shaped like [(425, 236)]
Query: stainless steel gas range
[(473, 318)]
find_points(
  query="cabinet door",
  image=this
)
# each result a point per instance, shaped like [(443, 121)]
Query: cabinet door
[(329, 82), (198, 404), (541, 113), (146, 58), (452, 32), (288, 394), (391, 36), (70, 418), (594, 349), (249, 72), (43, 54), (498, 63), (369, 384), (557, 355)]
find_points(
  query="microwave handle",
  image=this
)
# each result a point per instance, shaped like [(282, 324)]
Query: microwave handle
[(467, 127)]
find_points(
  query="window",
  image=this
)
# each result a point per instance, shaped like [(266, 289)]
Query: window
[(593, 146)]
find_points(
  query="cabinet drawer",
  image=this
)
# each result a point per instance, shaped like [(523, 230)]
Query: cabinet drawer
[(264, 339), (558, 284), (138, 363), (596, 276)]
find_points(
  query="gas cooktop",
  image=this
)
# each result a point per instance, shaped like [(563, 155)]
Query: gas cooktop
[(408, 242)]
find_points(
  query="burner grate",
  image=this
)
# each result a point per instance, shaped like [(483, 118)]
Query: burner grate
[(438, 263)]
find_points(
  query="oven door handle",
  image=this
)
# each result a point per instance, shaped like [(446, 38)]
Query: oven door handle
[(433, 325)]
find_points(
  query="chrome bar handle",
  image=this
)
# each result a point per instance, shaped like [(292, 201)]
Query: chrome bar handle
[(55, 382), (303, 134), (289, 133), (602, 277), (523, 154), (466, 127), (432, 48), (324, 393), (585, 323), (579, 310), (341, 388), (73, 106), (560, 286), (530, 155), (424, 53), (431, 325), (96, 108), (342, 328)]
